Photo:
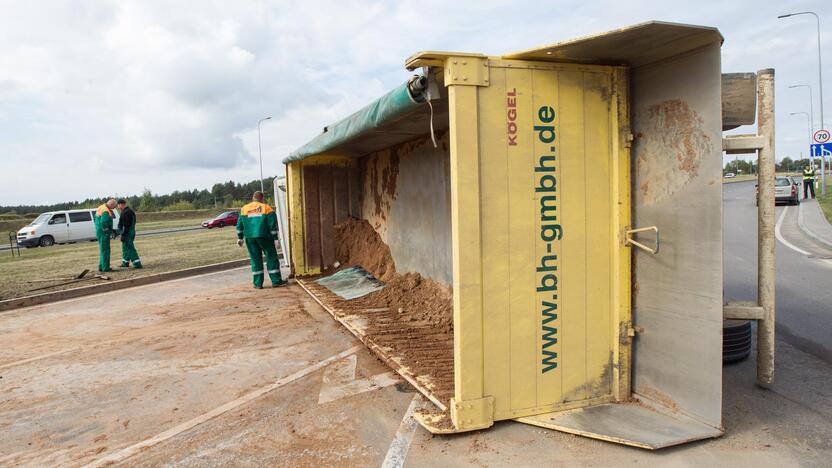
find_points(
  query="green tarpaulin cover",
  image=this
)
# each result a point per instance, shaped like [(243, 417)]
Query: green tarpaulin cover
[(389, 106), (351, 283)]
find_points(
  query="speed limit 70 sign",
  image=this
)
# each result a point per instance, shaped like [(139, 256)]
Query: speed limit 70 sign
[(821, 136)]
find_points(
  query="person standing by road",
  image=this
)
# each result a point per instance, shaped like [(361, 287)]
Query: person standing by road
[(127, 229), (104, 232), (808, 181), (257, 227)]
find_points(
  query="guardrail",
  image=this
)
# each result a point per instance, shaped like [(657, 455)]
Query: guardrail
[(13, 243)]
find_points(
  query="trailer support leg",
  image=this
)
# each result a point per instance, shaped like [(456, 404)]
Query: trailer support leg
[(765, 229)]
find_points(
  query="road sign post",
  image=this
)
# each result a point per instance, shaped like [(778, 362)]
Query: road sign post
[(824, 149)]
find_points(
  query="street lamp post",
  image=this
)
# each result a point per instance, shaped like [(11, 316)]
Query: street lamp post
[(260, 149), (808, 122), (811, 106), (820, 91)]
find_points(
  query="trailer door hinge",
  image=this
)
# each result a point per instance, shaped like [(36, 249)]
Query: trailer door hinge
[(632, 331)]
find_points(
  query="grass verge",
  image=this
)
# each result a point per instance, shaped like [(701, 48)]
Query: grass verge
[(739, 178), (169, 224), (826, 205), (158, 253)]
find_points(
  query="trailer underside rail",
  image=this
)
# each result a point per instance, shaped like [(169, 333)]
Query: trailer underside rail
[(639, 423), (409, 357)]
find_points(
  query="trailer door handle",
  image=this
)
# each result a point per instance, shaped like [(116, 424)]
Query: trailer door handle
[(630, 241)]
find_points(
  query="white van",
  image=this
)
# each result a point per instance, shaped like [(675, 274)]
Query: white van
[(60, 227)]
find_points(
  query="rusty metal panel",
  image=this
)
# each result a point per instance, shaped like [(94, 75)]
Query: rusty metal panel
[(677, 294), (340, 184), (380, 172), (327, 214), (312, 219), (354, 189)]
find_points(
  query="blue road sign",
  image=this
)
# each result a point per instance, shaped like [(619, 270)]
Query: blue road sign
[(821, 149)]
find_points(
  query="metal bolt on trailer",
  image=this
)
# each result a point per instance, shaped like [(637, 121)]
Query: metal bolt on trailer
[(522, 182)]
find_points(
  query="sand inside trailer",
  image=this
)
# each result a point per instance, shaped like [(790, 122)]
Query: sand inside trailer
[(408, 323)]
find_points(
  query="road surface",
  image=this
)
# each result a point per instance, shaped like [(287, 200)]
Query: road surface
[(804, 282)]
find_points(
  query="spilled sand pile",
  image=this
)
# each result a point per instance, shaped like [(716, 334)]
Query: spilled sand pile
[(357, 243), (408, 323)]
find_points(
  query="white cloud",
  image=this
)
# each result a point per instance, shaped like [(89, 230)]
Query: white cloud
[(114, 96)]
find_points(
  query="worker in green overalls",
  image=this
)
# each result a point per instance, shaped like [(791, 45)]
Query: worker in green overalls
[(104, 232), (257, 227), (127, 229), (808, 181)]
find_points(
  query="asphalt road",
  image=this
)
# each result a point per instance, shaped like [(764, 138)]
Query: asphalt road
[(804, 295)]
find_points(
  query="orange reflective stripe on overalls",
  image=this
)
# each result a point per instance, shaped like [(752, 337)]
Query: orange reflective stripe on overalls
[(101, 209), (255, 208)]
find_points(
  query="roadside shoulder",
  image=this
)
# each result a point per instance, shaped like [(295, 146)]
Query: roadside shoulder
[(812, 222)]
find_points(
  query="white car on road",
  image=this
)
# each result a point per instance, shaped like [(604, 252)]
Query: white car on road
[(60, 227)]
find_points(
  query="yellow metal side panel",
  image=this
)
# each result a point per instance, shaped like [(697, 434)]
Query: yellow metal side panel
[(600, 229), (465, 231), (622, 345), (518, 171), (573, 205), (295, 189), (521, 222), (493, 109), (548, 243)]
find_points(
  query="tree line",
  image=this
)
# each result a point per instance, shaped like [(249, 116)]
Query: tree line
[(786, 164), (222, 195)]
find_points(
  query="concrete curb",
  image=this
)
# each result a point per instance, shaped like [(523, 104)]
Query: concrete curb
[(26, 301), (808, 232)]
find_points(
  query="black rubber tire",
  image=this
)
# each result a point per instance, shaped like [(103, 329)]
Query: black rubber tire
[(46, 241), (737, 337), (221, 224)]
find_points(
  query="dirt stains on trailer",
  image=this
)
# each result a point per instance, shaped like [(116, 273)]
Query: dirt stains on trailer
[(379, 171), (672, 132), (598, 387), (379, 176)]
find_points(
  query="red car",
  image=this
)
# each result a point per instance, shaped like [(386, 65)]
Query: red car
[(229, 218)]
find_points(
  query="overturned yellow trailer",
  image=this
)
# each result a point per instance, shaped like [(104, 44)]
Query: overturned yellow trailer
[(569, 197)]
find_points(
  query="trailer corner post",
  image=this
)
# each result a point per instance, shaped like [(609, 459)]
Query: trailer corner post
[(470, 408), (765, 228)]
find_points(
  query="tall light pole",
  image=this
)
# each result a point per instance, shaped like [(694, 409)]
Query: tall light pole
[(811, 106), (808, 122), (260, 148), (820, 91)]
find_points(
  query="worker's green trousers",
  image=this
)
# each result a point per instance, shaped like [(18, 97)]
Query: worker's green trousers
[(257, 246), (103, 252), (128, 250)]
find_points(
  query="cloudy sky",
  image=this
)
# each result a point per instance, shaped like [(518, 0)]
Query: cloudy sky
[(102, 97)]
